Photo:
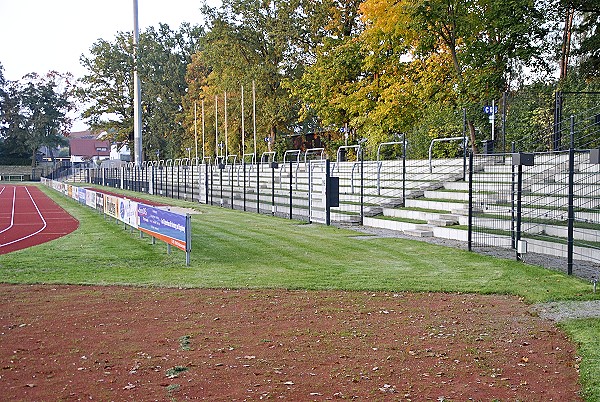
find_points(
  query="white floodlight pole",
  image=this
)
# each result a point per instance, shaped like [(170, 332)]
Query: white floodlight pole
[(196, 127), (254, 114), (493, 119), (243, 133), (216, 126), (137, 91), (203, 154)]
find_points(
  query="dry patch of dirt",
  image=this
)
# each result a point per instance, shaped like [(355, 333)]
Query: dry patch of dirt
[(116, 343)]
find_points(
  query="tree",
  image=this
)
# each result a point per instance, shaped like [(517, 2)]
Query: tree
[(426, 56), (35, 112), (335, 72), (254, 41), (108, 87)]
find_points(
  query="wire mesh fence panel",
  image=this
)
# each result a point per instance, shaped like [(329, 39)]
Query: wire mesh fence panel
[(545, 204), (350, 175), (492, 208), (586, 217), (316, 191)]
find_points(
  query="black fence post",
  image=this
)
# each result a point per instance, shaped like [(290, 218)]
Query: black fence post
[(258, 188), (519, 207), (244, 202), (185, 169), (221, 166), (178, 181), (470, 224), (327, 189), (172, 184), (513, 217), (205, 182), (192, 180), (273, 166), (520, 159), (571, 218), (403, 173), (212, 182)]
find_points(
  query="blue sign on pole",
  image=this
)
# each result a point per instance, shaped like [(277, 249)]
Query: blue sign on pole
[(490, 109)]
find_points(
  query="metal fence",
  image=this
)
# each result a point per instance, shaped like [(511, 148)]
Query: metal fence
[(545, 201)]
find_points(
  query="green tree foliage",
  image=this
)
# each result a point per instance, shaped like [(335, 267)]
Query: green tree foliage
[(417, 58), (589, 31), (252, 41), (35, 113), (107, 88)]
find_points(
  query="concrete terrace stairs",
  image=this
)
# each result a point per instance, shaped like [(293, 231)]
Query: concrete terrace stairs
[(435, 196), (444, 204)]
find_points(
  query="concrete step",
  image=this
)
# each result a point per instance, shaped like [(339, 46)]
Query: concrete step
[(419, 232)]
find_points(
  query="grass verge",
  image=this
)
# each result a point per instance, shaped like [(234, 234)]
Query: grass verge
[(586, 333), (233, 249)]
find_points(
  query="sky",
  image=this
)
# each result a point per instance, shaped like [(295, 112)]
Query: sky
[(43, 35)]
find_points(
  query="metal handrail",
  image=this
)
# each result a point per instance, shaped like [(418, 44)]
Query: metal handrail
[(337, 155), (252, 159), (314, 150), (442, 140), (380, 164), (405, 142), (234, 156), (219, 159), (292, 151), (262, 158)]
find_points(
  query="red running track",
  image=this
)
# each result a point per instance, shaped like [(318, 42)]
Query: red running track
[(29, 217)]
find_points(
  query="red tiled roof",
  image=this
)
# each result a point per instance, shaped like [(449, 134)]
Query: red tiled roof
[(82, 134), (89, 147)]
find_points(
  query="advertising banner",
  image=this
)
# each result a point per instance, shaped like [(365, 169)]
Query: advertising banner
[(90, 198), (172, 228), (100, 202), (111, 206), (128, 212), (167, 226), (82, 195)]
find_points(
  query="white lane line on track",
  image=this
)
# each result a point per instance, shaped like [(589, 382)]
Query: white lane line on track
[(32, 234), (12, 214)]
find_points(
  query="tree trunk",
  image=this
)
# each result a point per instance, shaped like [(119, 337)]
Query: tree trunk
[(566, 43), (471, 126), (272, 133)]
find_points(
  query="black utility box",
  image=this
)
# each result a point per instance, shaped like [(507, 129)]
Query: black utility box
[(522, 158)]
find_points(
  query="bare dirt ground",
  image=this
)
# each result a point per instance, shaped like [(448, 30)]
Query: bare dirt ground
[(116, 343)]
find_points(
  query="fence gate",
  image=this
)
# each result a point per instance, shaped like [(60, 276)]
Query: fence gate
[(316, 191), (492, 201)]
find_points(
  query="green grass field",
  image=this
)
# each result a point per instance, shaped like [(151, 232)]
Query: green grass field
[(233, 249)]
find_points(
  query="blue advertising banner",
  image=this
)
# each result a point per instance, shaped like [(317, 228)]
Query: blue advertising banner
[(167, 226), (82, 195)]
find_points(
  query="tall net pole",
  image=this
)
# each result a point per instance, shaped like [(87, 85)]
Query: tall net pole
[(137, 91)]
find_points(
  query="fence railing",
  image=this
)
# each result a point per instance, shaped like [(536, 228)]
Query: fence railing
[(551, 206)]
